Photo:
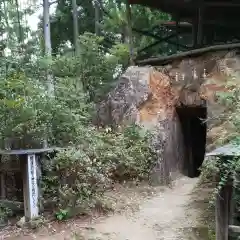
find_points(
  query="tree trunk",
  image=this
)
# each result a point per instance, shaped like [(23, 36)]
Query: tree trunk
[(7, 31), (47, 36), (47, 43), (97, 17), (75, 26), (48, 54), (129, 30), (20, 37)]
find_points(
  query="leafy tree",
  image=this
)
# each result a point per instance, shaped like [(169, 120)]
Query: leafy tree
[(112, 20), (62, 21)]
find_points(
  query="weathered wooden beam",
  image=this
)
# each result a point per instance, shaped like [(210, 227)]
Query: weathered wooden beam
[(149, 34), (142, 56), (193, 53), (221, 4), (177, 32), (30, 186), (231, 204), (174, 24), (164, 39), (15, 206), (194, 33), (159, 40), (153, 45), (177, 44), (149, 46), (222, 213), (3, 189), (171, 24), (200, 23), (233, 229)]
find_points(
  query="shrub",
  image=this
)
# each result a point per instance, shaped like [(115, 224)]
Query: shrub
[(4, 214), (25, 109), (79, 176), (222, 168), (28, 114)]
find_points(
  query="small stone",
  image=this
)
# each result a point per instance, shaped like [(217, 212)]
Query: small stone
[(21, 223)]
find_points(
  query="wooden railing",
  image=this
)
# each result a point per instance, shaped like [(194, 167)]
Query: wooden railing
[(224, 212)]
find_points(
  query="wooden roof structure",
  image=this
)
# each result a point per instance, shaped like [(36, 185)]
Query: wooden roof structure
[(229, 150), (214, 10), (209, 22)]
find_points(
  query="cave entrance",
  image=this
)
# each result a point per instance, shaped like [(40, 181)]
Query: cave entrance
[(194, 131)]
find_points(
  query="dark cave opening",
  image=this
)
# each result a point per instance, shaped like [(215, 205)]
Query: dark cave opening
[(194, 131)]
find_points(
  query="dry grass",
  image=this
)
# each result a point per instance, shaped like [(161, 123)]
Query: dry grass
[(129, 196)]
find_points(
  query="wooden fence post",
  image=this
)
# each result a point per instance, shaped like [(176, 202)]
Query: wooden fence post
[(30, 187), (223, 211)]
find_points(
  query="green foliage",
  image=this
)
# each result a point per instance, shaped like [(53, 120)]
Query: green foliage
[(24, 108), (223, 168), (62, 19), (62, 215), (79, 176), (113, 24), (92, 69), (76, 178), (211, 235), (28, 114), (142, 18), (4, 214)]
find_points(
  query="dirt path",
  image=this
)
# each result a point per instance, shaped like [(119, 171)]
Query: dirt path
[(165, 216), (162, 217)]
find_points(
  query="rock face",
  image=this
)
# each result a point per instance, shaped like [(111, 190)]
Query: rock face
[(131, 91), (153, 97), (139, 98)]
